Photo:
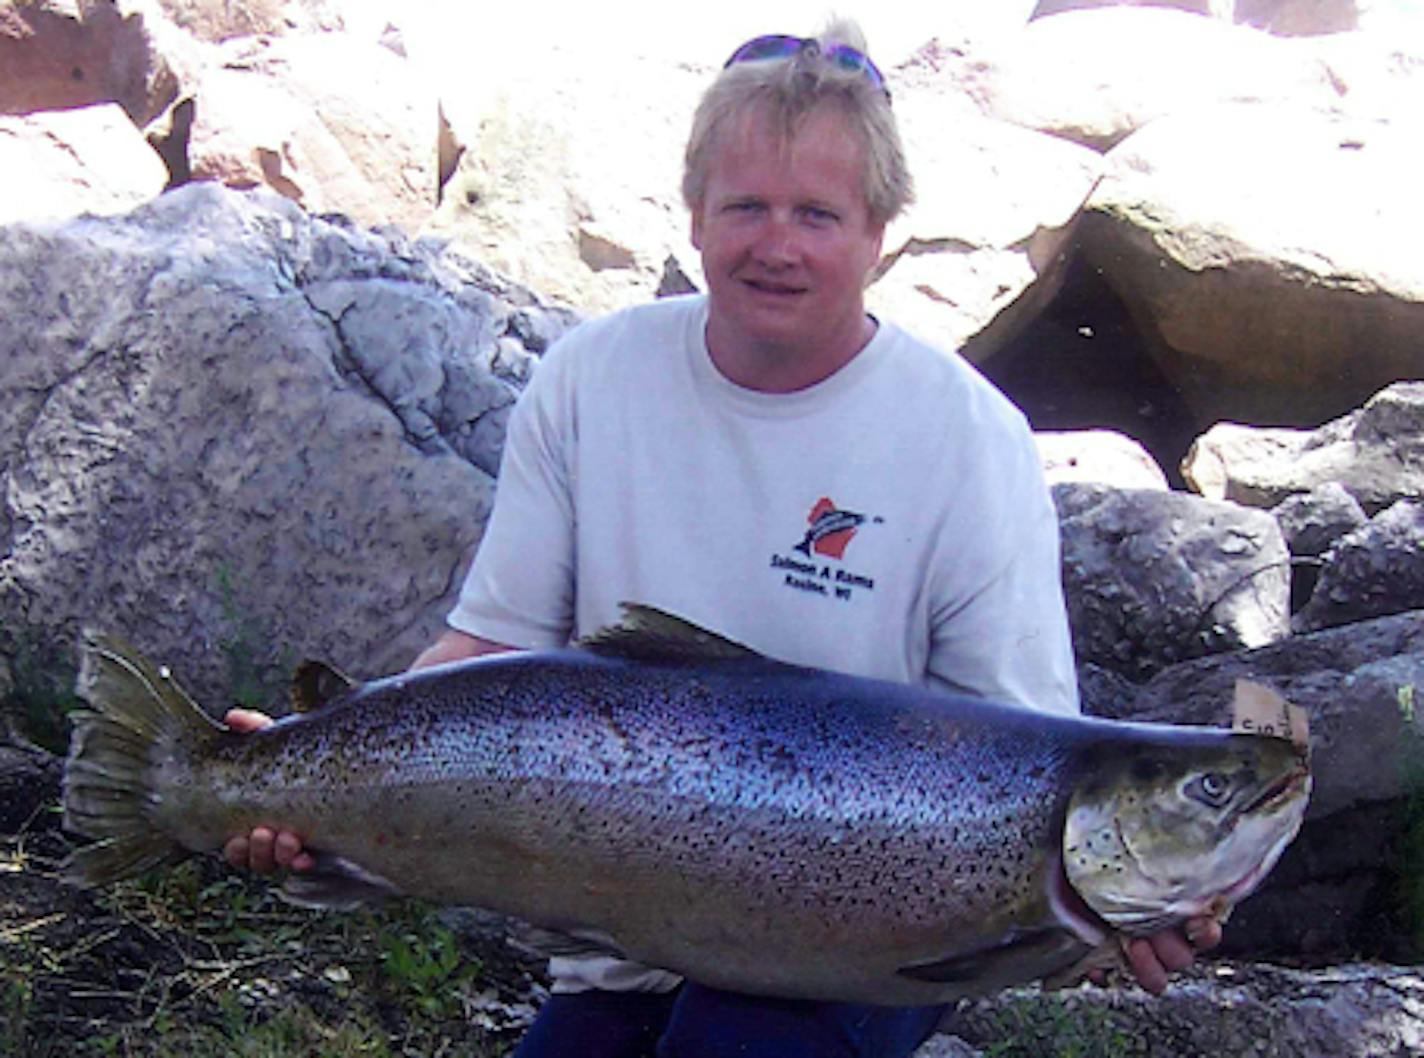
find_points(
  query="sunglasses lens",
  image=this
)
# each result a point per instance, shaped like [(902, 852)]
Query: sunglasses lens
[(782, 46), (847, 58), (776, 46)]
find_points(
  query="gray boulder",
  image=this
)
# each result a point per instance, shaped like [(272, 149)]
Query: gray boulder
[(1245, 1011), (238, 436), (1375, 570), (1154, 578), (1312, 522), (1376, 453)]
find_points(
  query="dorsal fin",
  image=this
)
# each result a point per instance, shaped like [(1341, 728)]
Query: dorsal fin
[(315, 684), (645, 633)]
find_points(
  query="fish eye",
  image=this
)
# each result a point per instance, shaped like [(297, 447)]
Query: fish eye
[(1212, 788)]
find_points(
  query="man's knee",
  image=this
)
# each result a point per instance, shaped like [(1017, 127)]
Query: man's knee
[(707, 1023)]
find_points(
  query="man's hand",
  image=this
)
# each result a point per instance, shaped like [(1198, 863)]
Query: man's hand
[(265, 849), (1153, 958)]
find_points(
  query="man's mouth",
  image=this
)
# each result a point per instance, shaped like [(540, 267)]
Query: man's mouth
[(768, 286)]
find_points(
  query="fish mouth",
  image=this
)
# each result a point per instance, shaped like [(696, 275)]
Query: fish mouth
[(1278, 792)]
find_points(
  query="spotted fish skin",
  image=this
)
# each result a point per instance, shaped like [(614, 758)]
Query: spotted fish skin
[(752, 825)]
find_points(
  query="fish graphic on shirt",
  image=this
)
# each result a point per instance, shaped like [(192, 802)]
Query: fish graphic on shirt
[(831, 529)]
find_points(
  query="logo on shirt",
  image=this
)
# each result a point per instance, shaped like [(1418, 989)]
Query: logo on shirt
[(829, 531)]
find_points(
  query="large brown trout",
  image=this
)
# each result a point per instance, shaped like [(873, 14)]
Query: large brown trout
[(671, 796)]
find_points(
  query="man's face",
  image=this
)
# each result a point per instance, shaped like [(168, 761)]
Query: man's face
[(787, 243)]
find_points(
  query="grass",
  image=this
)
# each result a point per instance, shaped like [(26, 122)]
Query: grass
[(1059, 1027), (1411, 843), (198, 961)]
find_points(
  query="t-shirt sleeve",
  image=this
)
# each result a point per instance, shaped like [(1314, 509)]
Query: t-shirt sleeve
[(1004, 633), (520, 588)]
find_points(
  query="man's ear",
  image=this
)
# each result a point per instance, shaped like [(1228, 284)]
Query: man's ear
[(697, 228)]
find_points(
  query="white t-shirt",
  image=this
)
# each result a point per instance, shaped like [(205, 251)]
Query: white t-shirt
[(889, 521)]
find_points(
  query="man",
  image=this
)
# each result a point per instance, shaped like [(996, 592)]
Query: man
[(775, 464)]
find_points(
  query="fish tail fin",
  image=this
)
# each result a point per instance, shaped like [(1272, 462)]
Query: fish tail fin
[(138, 717)]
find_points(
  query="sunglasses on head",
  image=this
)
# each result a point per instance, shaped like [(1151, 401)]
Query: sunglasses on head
[(783, 46)]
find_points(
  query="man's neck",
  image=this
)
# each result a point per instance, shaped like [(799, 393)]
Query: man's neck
[(770, 367)]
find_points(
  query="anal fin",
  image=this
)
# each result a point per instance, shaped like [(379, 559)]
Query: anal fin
[(336, 883)]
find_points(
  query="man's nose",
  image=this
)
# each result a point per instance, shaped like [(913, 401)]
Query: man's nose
[(777, 241)]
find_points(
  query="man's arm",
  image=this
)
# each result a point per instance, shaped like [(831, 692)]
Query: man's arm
[(265, 849)]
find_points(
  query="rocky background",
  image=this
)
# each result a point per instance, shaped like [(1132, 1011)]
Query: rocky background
[(272, 275)]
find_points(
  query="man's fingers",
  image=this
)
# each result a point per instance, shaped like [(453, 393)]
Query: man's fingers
[(1172, 950), (1204, 933), (245, 721), (1146, 967), (235, 852), (287, 848), (260, 856)]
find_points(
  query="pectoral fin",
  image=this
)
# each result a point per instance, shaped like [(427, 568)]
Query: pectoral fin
[(1040, 950), (572, 943), (315, 684)]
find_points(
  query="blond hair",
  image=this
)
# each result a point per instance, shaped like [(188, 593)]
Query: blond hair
[(788, 91)]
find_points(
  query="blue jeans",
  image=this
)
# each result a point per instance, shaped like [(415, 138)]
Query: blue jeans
[(700, 1022)]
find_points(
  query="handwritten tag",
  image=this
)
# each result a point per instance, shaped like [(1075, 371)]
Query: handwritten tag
[(1259, 710)]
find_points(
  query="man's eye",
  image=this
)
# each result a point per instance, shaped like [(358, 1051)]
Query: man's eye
[(816, 215)]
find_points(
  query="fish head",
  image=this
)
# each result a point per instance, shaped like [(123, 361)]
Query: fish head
[(1158, 833)]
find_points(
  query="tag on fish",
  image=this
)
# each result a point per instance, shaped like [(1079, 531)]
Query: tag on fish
[(1258, 710)]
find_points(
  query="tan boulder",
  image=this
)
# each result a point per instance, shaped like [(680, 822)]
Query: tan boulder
[(1293, 18), (219, 20), (65, 162), (334, 123), (570, 184), (1101, 457), (1214, 8), (977, 253), (62, 54), (1269, 252), (1094, 76)]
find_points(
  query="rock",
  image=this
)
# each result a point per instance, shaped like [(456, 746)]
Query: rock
[(336, 124), (216, 22), (946, 1046), (544, 191), (1263, 307), (1154, 578), (1292, 18), (29, 784), (1376, 570), (57, 55), (87, 160), (1097, 456), (239, 436), (977, 255), (1312, 522), (1094, 76), (1214, 8), (1376, 453), (1254, 1010), (1362, 686)]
